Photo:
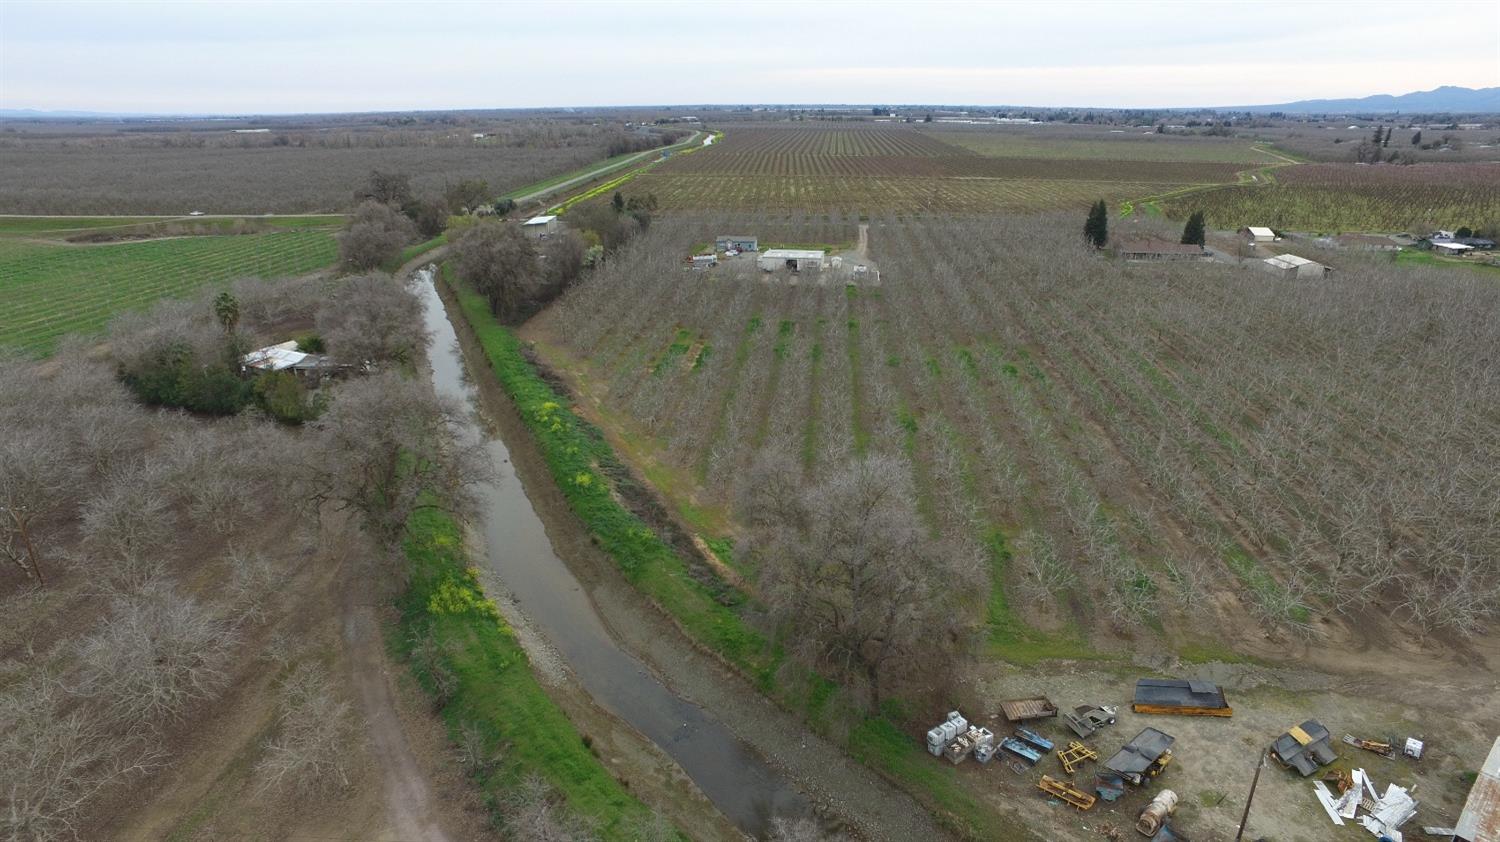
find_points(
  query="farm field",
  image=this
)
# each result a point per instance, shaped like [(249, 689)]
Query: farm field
[(1073, 143), (1354, 197), (49, 289), (1143, 482), (1172, 468), (814, 168)]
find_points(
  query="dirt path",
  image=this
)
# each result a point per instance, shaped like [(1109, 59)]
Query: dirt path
[(603, 170), (408, 804)]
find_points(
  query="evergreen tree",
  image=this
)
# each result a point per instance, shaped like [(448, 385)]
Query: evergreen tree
[(1376, 139), (1387, 141), (1194, 232), (1416, 138), (1096, 229), (618, 202)]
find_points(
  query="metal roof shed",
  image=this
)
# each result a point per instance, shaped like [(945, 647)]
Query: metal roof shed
[(1480, 820), (1185, 698)]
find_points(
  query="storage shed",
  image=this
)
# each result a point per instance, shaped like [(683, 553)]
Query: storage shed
[(540, 226), (1187, 698), (725, 242), (1451, 249), (795, 260), (1291, 266), (1480, 820), (1152, 248), (1257, 234)]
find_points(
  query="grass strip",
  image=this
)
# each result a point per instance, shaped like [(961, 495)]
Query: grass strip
[(493, 689)]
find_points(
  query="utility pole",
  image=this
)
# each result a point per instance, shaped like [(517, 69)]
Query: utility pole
[(1244, 819)]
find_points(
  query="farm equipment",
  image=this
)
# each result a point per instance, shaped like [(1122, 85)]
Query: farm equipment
[(1066, 792), (1074, 756), (1021, 710), (1304, 748), (1028, 754), (1144, 757), (1182, 698), (1156, 813), (1035, 740), (1382, 749), (1086, 720), (968, 743)]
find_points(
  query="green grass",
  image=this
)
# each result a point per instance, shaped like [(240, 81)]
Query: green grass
[(62, 227), (496, 691), (1417, 257), (1010, 638), (47, 291)]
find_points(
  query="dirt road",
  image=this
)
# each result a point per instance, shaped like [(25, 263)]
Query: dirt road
[(601, 170)]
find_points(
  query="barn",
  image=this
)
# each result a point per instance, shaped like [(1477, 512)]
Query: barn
[(540, 226), (725, 242), (794, 260), (1291, 266)]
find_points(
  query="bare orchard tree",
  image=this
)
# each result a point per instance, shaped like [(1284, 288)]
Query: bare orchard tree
[(155, 653), (501, 264), (315, 733), (55, 758), (386, 449), (372, 319), (36, 484), (858, 579), (375, 235), (128, 526)]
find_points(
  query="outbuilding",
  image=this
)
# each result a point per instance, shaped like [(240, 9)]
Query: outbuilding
[(794, 260), (1451, 249), (1480, 820), (1257, 234), (725, 242), (540, 226), (1152, 248), (705, 261), (1291, 266)]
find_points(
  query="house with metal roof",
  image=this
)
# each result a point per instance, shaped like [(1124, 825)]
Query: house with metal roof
[(1480, 820), (742, 242)]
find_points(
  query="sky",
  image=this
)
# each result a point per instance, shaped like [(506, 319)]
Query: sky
[(233, 57)]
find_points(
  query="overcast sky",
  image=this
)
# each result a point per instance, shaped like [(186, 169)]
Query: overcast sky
[(269, 57)]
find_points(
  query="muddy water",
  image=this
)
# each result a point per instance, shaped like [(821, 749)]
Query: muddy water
[(742, 785)]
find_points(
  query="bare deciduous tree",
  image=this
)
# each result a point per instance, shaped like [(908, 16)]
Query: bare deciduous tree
[(55, 758), (315, 733), (372, 319), (375, 235), (385, 449), (862, 584), (35, 484), (154, 654)]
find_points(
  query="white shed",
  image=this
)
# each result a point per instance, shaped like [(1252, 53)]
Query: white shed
[(1292, 266), (1451, 249), (796, 260), (1257, 234), (540, 226)]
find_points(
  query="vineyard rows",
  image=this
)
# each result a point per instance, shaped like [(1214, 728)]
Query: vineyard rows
[(48, 290), (1181, 448), (1355, 197)]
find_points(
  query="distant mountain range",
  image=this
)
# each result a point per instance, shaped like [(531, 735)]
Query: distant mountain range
[(1448, 98)]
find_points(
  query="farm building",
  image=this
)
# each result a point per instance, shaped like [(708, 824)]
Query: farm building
[(540, 226), (284, 356), (1291, 266), (704, 261), (1151, 248), (1257, 234), (1451, 249), (725, 242), (1480, 819), (796, 260), (1363, 242), (1481, 243)]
